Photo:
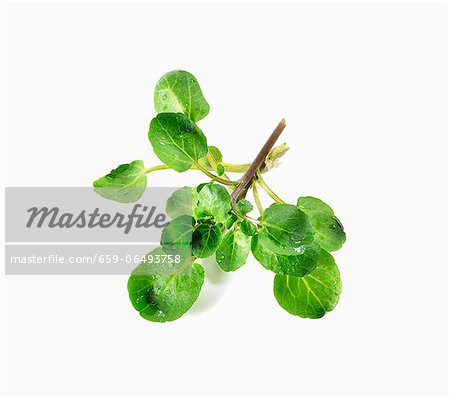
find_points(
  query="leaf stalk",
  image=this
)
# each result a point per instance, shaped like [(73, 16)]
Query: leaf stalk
[(266, 188), (214, 177), (257, 198)]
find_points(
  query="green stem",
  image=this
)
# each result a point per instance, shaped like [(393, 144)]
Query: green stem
[(155, 168), (246, 217), (235, 168), (266, 188), (214, 177), (230, 167), (257, 198)]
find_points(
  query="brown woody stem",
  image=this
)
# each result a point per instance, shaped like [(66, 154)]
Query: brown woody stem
[(247, 178)]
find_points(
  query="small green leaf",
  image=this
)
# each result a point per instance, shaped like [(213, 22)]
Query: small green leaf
[(179, 91), (286, 229), (182, 202), (176, 237), (296, 265), (124, 184), (231, 220), (329, 230), (213, 201), (164, 298), (247, 227), (215, 153), (176, 140), (312, 295), (244, 206), (200, 186), (233, 251), (205, 240), (220, 170)]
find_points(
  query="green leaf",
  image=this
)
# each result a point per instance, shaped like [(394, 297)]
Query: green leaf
[(329, 230), (286, 230), (296, 265), (215, 153), (244, 206), (205, 240), (231, 220), (179, 91), (213, 201), (200, 186), (220, 170), (176, 140), (233, 251), (312, 295), (124, 184), (182, 202), (176, 237), (247, 227), (164, 298)]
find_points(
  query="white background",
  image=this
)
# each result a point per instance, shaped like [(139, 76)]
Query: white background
[(363, 88)]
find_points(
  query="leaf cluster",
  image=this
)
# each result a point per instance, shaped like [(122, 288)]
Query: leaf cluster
[(293, 241)]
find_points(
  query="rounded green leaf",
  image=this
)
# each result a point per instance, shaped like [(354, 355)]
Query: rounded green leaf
[(220, 170), (182, 202), (164, 298), (176, 140), (176, 237), (124, 184), (213, 201), (232, 253), (215, 153), (329, 230), (244, 206), (294, 265), (313, 295), (286, 229), (309, 203), (179, 91), (205, 240), (247, 227)]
